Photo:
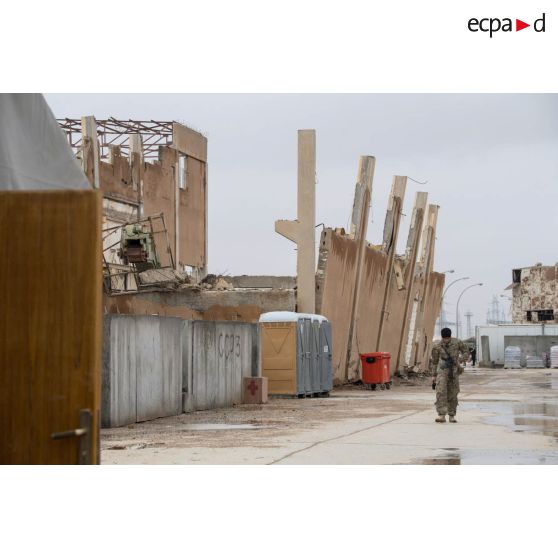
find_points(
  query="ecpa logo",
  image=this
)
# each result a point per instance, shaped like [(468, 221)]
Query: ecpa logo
[(493, 25)]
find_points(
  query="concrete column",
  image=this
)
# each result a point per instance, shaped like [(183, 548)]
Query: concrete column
[(411, 253), (90, 159), (302, 231), (202, 271), (391, 232), (177, 265), (427, 265), (136, 166), (363, 196), (359, 226)]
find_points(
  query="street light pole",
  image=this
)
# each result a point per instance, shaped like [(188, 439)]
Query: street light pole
[(442, 313), (457, 307)]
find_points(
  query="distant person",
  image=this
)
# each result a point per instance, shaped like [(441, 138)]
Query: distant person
[(474, 355), (448, 353)]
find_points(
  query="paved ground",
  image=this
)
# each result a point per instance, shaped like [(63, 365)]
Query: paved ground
[(505, 417)]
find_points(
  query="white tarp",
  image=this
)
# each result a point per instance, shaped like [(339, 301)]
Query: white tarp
[(34, 154)]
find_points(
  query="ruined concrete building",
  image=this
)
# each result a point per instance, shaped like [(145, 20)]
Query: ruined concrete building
[(375, 299), (146, 169), (154, 174), (535, 294)]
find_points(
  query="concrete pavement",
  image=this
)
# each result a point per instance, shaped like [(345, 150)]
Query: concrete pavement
[(504, 417)]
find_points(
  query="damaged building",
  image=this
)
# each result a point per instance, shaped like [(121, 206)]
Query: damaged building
[(375, 299), (133, 327), (534, 328), (145, 170), (153, 178), (535, 294)]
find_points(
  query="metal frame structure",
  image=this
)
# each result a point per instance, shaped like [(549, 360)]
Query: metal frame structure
[(113, 132), (127, 270)]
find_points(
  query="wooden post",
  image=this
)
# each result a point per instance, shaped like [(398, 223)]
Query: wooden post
[(411, 253), (359, 226), (302, 230), (391, 232)]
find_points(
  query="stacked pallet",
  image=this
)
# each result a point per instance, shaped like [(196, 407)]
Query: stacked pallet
[(512, 357), (535, 361)]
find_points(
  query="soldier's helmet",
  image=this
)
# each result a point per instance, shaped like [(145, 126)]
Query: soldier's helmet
[(446, 332)]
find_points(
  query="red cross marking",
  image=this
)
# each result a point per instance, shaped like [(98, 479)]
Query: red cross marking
[(252, 387)]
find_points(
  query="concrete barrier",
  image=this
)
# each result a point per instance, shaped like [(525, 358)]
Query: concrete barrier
[(157, 366), (218, 356), (142, 368)]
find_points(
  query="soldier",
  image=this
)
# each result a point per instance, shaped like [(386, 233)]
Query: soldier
[(451, 352)]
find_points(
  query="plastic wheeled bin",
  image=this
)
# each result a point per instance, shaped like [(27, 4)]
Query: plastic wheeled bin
[(375, 370)]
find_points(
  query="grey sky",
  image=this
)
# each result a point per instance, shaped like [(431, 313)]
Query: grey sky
[(490, 162)]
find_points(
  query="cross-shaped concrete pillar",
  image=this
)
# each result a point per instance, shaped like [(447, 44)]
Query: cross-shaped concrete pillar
[(302, 230)]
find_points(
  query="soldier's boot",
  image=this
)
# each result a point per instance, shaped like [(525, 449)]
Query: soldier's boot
[(441, 418), (452, 418)]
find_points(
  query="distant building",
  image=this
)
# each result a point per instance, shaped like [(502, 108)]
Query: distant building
[(535, 294)]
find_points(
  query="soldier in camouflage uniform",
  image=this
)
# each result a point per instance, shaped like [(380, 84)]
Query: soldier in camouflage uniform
[(448, 354)]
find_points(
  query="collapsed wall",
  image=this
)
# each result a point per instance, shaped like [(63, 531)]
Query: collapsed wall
[(335, 289)]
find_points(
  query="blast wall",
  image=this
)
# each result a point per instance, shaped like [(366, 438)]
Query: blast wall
[(159, 366)]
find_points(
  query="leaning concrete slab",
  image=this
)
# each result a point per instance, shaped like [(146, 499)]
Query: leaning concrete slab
[(411, 252), (420, 339), (359, 227), (391, 233)]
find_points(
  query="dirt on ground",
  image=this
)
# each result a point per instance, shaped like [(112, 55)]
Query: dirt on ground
[(243, 425)]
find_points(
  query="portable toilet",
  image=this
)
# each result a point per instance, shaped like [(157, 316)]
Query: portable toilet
[(290, 353), (554, 356)]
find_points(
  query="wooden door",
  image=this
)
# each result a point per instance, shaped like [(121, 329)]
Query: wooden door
[(50, 326)]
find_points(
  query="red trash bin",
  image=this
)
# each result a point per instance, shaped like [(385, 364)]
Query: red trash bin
[(375, 369)]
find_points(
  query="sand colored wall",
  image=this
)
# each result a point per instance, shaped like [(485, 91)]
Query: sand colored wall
[(334, 284)]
